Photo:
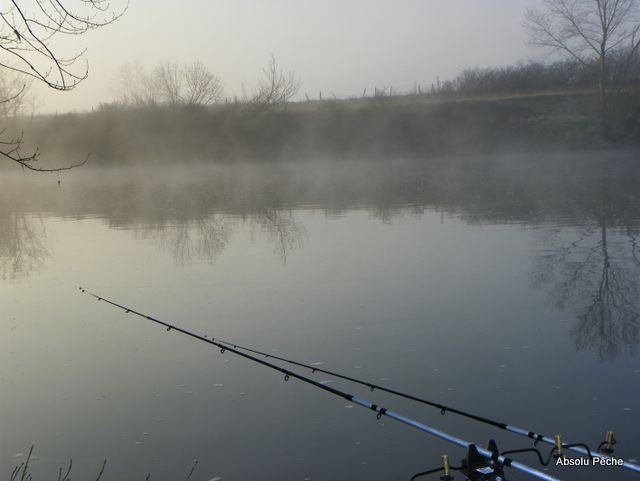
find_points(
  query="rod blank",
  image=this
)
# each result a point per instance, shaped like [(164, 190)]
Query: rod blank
[(360, 402), (501, 425)]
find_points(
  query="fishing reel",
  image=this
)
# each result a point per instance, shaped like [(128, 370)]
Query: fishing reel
[(474, 467)]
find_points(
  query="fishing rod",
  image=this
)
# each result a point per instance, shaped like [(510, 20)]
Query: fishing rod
[(492, 457), (582, 449)]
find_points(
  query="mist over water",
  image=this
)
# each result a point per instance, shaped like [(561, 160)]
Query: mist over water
[(504, 285)]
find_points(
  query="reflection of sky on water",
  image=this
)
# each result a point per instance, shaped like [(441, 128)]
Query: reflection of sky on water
[(420, 287)]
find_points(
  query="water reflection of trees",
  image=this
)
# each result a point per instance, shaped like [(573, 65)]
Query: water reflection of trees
[(587, 261), (284, 231), (22, 244), (204, 239), (596, 277), (594, 272), (186, 240)]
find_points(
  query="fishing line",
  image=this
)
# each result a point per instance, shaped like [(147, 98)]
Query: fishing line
[(578, 448), (493, 457), (489, 455)]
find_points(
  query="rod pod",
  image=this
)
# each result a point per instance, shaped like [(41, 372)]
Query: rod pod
[(477, 468)]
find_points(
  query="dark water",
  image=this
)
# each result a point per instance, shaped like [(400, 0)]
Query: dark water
[(507, 286)]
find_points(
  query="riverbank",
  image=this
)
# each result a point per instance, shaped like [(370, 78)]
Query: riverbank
[(408, 126)]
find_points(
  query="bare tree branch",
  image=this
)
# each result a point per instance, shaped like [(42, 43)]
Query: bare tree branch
[(169, 83), (28, 26), (11, 150), (276, 86), (591, 31), (27, 29), (201, 86)]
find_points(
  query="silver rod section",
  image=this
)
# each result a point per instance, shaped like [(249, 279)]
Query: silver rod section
[(521, 432), (576, 449), (503, 460)]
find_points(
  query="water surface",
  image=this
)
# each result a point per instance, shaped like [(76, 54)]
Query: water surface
[(507, 286)]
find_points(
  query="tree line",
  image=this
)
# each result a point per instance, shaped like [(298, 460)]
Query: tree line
[(530, 77), (173, 83), (596, 44)]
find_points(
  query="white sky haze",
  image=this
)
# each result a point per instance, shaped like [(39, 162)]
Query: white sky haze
[(334, 46)]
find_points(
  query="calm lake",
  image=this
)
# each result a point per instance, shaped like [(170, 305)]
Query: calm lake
[(508, 286)]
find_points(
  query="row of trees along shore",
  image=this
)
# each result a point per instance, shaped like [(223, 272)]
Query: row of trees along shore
[(181, 111), (192, 84), (595, 45), (173, 83), (599, 40)]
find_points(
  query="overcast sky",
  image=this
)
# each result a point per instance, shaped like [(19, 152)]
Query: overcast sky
[(342, 46)]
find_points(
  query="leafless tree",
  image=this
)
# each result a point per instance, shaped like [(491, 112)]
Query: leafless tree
[(170, 82), (201, 86), (135, 86), (588, 31), (15, 94), (276, 85), (28, 29)]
